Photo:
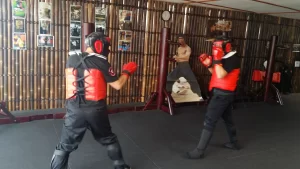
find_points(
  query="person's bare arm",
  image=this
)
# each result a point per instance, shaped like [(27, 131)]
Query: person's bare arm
[(220, 71), (210, 70), (119, 83)]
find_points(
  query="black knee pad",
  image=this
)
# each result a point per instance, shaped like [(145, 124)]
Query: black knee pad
[(114, 152), (60, 160)]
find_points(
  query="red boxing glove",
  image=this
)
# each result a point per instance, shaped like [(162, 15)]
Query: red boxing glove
[(205, 60), (217, 54), (129, 68)]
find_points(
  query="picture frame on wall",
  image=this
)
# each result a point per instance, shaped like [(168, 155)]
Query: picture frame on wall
[(75, 29), (19, 8), (125, 39), (100, 19), (75, 13), (45, 11), (75, 44), (19, 25), (45, 41), (45, 27), (125, 20), (19, 41)]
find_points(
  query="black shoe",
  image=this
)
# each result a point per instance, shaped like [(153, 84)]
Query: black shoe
[(124, 166), (232, 146), (195, 154), (198, 152)]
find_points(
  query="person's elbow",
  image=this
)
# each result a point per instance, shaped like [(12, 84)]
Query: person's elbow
[(116, 85), (221, 75)]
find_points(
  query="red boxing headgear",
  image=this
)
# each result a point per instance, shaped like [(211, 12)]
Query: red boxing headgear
[(98, 42), (225, 46)]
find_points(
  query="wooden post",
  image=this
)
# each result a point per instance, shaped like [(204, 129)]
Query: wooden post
[(86, 29)]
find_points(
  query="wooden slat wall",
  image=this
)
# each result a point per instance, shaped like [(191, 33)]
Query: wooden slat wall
[(34, 78)]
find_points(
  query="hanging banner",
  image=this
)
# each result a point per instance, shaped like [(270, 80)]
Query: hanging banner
[(75, 27), (100, 19), (125, 20), (125, 38)]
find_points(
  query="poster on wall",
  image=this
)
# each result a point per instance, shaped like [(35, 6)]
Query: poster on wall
[(125, 38), (75, 27), (75, 44), (45, 27), (75, 13), (19, 8), (45, 41), (100, 19), (217, 27), (19, 25), (45, 11), (181, 92), (19, 41), (125, 20)]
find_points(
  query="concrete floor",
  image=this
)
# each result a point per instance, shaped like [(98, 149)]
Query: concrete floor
[(154, 140)]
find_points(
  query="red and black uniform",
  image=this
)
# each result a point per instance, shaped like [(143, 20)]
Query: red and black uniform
[(87, 76), (220, 105)]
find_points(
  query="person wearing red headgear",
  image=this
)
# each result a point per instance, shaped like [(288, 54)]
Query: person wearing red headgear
[(224, 66), (87, 76)]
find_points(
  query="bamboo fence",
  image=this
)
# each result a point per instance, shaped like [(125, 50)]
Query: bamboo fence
[(34, 78)]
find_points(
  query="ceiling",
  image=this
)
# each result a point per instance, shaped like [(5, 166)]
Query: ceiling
[(280, 8)]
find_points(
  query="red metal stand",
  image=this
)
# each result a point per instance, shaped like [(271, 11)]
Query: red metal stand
[(161, 94), (4, 112), (268, 86)]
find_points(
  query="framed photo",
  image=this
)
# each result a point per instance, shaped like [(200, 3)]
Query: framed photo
[(75, 13), (19, 41), (125, 20), (75, 29), (19, 25), (124, 45), (45, 41), (45, 27), (45, 11), (19, 8), (100, 19), (75, 44)]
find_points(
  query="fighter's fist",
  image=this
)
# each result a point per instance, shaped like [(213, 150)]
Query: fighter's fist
[(129, 68), (217, 54), (205, 60)]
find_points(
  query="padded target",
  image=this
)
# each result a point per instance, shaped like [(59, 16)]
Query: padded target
[(228, 47), (98, 45)]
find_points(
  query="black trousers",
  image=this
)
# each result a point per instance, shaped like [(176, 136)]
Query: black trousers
[(183, 69), (78, 120), (220, 106)]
